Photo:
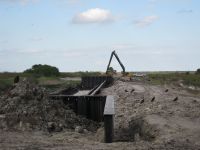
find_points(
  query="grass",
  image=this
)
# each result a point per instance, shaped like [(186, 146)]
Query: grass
[(190, 79), (53, 83), (50, 83), (5, 84)]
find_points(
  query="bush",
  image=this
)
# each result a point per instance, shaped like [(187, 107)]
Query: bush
[(43, 70), (198, 71)]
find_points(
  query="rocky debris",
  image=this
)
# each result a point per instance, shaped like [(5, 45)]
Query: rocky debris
[(79, 129), (138, 128), (51, 126), (27, 107), (142, 101), (85, 131)]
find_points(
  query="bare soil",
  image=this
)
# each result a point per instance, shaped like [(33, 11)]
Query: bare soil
[(147, 117)]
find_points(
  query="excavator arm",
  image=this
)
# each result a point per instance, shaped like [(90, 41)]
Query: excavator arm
[(116, 56)]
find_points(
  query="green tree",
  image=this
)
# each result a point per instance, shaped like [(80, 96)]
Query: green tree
[(43, 70), (198, 71)]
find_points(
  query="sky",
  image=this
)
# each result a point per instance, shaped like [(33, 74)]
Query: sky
[(79, 35)]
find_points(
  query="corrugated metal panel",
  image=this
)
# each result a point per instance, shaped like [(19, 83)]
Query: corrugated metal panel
[(91, 82)]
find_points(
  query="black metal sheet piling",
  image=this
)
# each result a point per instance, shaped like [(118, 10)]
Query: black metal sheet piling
[(92, 81), (81, 106), (108, 128), (97, 108), (92, 107)]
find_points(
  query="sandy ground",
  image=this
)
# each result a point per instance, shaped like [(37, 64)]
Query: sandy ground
[(147, 117)]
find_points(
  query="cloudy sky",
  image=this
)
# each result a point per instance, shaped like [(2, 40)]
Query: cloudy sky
[(73, 35)]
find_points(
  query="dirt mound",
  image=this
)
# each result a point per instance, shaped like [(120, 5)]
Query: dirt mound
[(162, 115), (27, 107), (138, 128)]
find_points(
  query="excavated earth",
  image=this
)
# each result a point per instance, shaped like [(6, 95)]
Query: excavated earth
[(147, 117), (27, 107)]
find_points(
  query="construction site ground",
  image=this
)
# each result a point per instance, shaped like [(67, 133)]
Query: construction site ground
[(146, 117)]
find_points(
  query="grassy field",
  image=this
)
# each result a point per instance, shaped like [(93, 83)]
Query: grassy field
[(189, 79), (54, 83), (6, 80), (51, 83)]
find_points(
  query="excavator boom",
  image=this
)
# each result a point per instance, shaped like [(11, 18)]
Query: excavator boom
[(116, 56)]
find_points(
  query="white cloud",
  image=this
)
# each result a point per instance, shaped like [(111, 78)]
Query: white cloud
[(146, 21), (95, 15)]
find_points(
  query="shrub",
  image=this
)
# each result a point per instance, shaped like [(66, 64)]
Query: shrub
[(43, 70), (198, 71)]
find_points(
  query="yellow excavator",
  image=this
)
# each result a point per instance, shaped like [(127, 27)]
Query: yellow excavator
[(111, 71)]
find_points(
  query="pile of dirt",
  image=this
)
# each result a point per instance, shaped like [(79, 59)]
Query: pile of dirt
[(138, 128), (156, 114), (26, 106)]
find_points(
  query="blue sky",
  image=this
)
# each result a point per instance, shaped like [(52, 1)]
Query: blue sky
[(73, 35)]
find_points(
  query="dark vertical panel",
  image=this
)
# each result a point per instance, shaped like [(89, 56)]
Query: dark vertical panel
[(108, 128), (81, 106), (75, 103), (91, 107), (79, 111), (88, 107), (96, 108)]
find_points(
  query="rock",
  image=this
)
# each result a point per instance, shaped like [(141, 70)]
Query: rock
[(79, 129), (25, 112), (191, 87), (2, 116), (59, 128), (51, 126), (137, 137), (20, 124), (166, 90), (85, 131), (142, 101)]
